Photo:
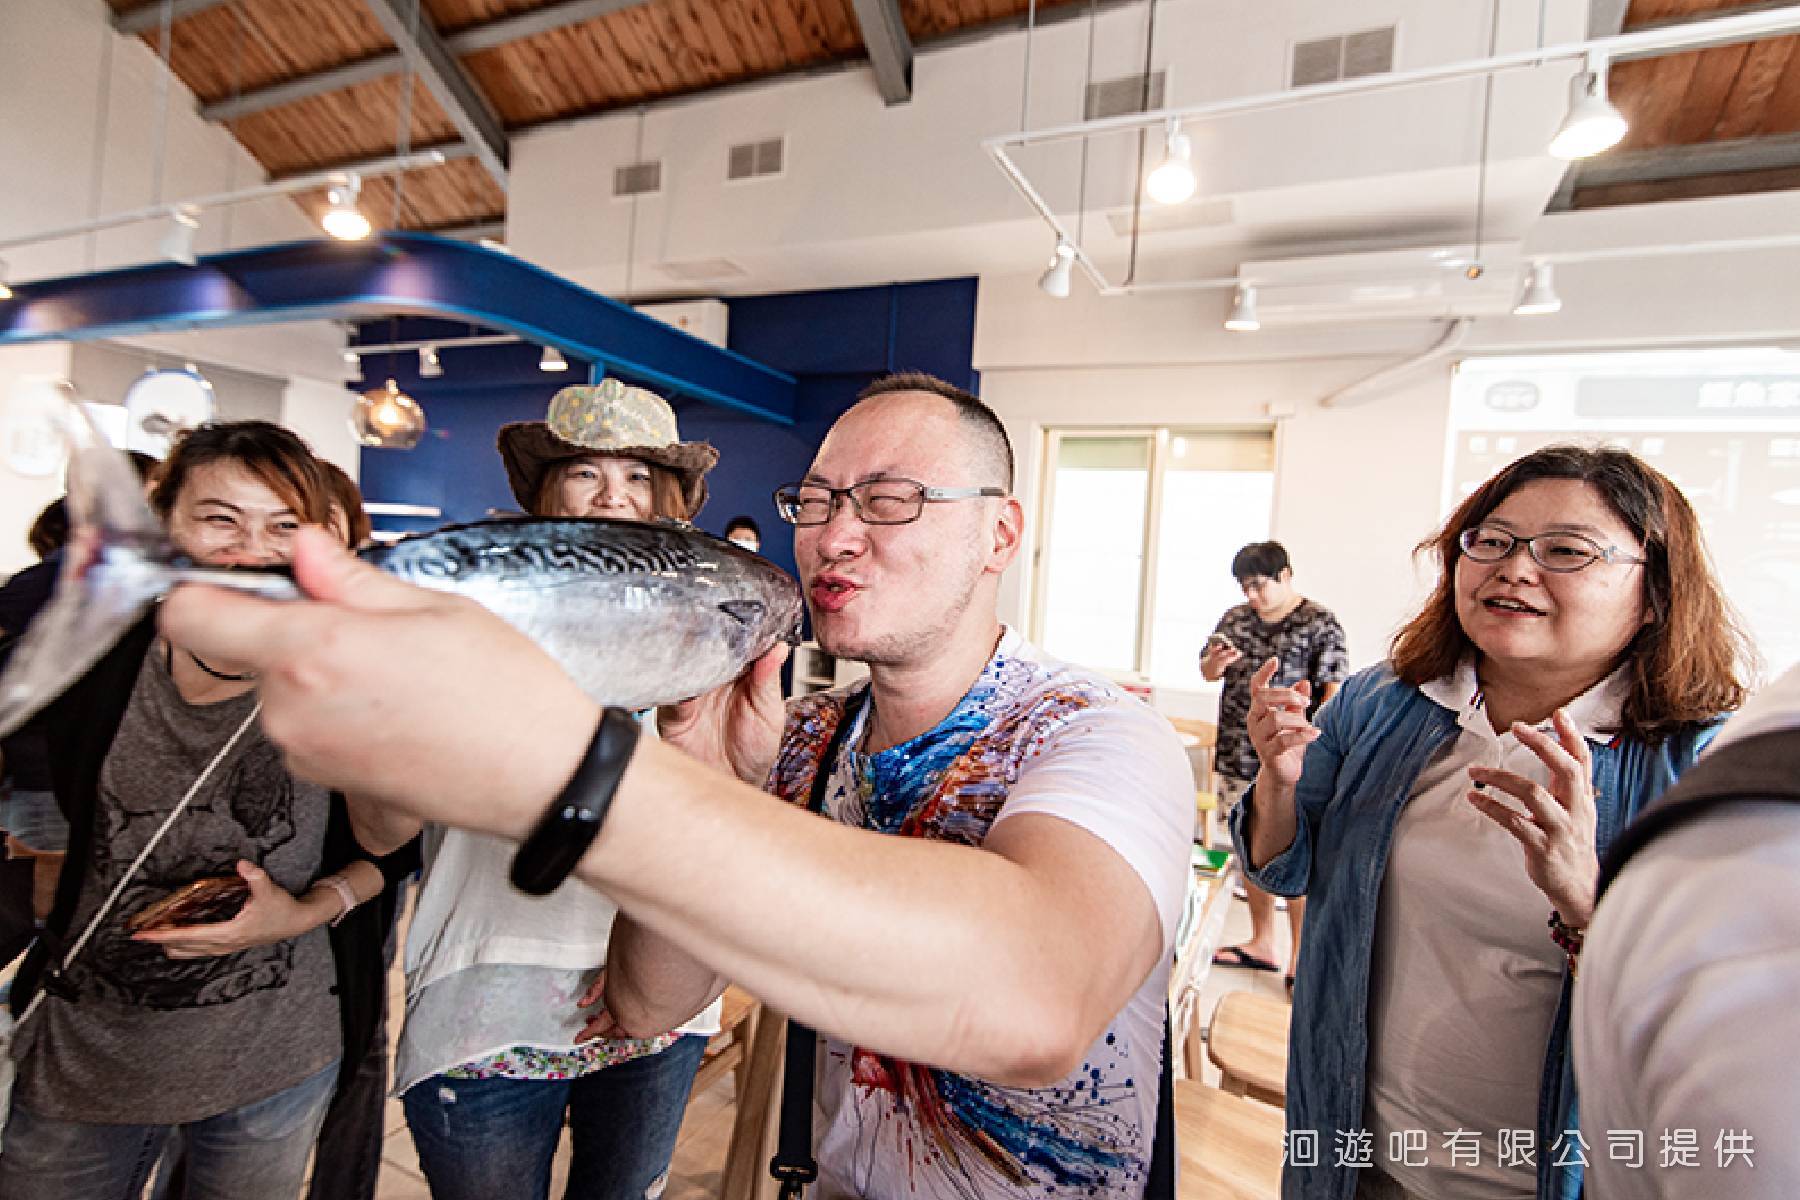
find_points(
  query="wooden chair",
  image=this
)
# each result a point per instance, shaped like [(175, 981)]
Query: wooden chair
[(1248, 1042), (729, 1049), (1230, 1147), (746, 1174)]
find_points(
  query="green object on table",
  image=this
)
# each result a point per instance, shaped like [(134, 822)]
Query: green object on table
[(1210, 861)]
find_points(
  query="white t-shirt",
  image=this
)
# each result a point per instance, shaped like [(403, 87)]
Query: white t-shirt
[(489, 968), (1032, 736), (1465, 979), (1684, 1012)]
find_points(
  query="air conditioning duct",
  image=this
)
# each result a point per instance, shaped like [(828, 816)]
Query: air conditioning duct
[(1429, 282)]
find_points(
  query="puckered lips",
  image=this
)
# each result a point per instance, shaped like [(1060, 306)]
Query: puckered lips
[(831, 592)]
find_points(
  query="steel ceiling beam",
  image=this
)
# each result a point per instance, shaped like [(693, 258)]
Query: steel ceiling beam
[(472, 40), (445, 78), (890, 47)]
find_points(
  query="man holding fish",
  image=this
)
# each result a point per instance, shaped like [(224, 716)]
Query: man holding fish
[(982, 929)]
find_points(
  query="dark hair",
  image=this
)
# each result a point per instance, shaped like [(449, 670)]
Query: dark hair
[(274, 455), (990, 435), (145, 466), (348, 497), (50, 531), (743, 523), (1265, 559), (1684, 662), (668, 499)]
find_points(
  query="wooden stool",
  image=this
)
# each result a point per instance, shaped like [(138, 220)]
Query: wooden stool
[(1248, 1042), (729, 1049), (1230, 1147)]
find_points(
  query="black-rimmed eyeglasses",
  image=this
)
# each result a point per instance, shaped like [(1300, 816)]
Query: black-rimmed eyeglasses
[(1561, 552), (875, 502)]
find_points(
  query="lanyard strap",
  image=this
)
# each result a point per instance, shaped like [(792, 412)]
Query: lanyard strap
[(793, 1165)]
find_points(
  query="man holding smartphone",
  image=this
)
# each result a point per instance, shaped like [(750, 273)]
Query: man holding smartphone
[(1275, 621)]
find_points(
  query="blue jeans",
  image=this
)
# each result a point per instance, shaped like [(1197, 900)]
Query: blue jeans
[(257, 1150), (481, 1138)]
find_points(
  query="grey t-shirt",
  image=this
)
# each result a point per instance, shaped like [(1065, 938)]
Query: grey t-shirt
[(153, 1040)]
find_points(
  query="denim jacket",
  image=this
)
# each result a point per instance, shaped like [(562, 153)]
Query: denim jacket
[(1377, 735)]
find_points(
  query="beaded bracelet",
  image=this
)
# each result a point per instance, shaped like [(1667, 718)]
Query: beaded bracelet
[(1568, 938)]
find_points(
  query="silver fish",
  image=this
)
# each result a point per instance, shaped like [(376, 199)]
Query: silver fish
[(637, 614)]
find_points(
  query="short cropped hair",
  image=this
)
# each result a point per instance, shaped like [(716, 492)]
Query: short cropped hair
[(1260, 559), (991, 442)]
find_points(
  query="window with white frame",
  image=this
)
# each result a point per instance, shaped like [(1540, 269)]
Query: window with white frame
[(1139, 530), (1723, 424)]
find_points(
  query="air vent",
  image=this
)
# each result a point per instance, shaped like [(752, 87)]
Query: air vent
[(637, 179), (697, 270), (1348, 56), (1127, 94), (753, 159)]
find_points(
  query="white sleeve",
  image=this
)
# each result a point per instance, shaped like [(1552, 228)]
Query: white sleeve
[(1119, 772), (1684, 1009)]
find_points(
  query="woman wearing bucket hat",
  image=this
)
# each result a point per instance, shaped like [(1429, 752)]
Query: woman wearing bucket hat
[(489, 1065)]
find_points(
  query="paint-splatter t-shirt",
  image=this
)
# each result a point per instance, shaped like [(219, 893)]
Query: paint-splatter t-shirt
[(1031, 736)]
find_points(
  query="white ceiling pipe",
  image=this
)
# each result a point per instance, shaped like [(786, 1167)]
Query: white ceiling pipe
[(1369, 386)]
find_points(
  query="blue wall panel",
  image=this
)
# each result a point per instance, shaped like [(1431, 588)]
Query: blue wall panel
[(833, 342)]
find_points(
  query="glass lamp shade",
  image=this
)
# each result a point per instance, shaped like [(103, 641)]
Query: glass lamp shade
[(388, 418)]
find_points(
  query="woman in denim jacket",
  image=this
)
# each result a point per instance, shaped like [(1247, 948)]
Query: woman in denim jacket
[(1446, 815)]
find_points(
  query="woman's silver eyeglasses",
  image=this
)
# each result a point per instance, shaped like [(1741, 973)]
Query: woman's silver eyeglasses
[(1562, 552), (875, 502)]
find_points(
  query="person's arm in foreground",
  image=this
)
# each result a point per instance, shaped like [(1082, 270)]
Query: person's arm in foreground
[(984, 961)]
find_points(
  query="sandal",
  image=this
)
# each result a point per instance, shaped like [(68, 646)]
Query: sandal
[(1237, 956)]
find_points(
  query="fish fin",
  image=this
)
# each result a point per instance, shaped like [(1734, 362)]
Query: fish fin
[(746, 612)]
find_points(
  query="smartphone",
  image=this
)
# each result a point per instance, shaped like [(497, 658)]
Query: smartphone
[(202, 902), (1218, 641)]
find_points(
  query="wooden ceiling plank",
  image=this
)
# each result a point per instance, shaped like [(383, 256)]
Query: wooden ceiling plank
[(1748, 102), (1650, 93), (751, 25), (1783, 112), (713, 56), (666, 63), (1715, 72), (148, 17)]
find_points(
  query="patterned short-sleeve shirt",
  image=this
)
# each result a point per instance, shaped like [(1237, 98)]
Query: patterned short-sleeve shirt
[(1309, 643)]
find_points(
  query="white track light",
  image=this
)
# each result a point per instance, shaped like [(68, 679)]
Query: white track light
[(178, 242), (1243, 311), (1540, 296), (1055, 281), (1173, 180), (552, 360), (1593, 124), (343, 220), (429, 366)]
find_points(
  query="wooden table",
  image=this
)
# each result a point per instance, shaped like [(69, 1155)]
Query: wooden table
[(1193, 959), (1230, 1147), (1248, 1042)]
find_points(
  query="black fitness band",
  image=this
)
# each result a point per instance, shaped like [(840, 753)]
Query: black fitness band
[(550, 854)]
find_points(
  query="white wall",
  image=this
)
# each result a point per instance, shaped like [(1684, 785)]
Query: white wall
[(56, 58), (320, 412), (22, 498)]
